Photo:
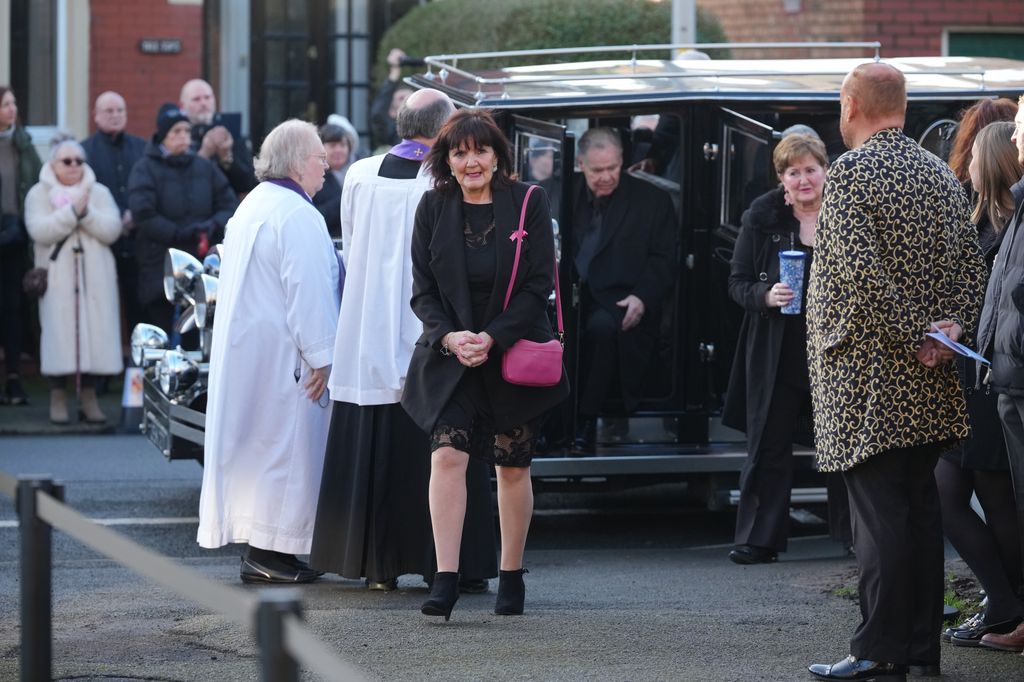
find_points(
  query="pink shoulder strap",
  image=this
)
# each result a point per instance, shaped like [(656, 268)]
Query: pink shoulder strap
[(519, 235)]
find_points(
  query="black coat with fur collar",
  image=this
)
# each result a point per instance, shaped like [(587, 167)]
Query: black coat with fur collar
[(441, 299), (768, 227)]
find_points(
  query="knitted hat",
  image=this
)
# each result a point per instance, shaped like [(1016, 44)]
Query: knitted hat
[(166, 118)]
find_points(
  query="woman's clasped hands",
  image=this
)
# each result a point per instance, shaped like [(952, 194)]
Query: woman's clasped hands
[(468, 347)]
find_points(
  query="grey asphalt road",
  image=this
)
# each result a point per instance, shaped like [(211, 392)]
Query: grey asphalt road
[(622, 586)]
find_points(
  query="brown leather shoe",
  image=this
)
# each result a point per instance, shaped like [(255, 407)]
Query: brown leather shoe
[(1013, 641)]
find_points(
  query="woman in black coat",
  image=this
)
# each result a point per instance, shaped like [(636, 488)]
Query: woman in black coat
[(462, 259), (177, 199), (981, 466), (769, 390)]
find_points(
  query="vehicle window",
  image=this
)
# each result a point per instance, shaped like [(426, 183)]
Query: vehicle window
[(538, 160), (745, 173)]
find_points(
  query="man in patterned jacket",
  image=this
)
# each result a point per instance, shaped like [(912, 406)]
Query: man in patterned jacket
[(896, 256)]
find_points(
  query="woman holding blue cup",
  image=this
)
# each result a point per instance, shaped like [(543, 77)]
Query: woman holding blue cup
[(769, 390)]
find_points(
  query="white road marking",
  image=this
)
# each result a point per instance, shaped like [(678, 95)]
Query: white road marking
[(172, 521)]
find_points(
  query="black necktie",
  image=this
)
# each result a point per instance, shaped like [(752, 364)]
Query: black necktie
[(590, 239)]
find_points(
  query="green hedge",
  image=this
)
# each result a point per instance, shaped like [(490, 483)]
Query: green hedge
[(459, 26)]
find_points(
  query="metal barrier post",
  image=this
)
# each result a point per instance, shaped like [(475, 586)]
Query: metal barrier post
[(276, 665), (36, 579)]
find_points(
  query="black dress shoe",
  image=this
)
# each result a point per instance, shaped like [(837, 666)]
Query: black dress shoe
[(749, 554), (296, 562), (385, 585), (586, 437), (970, 635), (616, 428), (924, 670), (853, 668), (474, 585), (14, 393), (252, 571), (973, 621)]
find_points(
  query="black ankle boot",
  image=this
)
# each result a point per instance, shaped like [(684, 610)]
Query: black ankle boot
[(511, 593), (444, 592)]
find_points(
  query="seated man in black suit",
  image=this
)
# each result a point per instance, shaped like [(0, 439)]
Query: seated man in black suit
[(623, 252)]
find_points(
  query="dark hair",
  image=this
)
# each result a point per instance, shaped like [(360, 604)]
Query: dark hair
[(972, 120), (469, 128), (329, 132), (425, 121)]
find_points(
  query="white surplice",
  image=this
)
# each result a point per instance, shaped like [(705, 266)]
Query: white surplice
[(377, 329), (276, 316)]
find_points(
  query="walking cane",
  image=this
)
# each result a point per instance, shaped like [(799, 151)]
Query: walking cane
[(78, 350)]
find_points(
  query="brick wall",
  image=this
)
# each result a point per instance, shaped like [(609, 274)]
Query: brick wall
[(904, 27), (748, 21), (146, 81), (913, 28)]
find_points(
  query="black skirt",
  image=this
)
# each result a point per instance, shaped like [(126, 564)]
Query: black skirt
[(373, 517)]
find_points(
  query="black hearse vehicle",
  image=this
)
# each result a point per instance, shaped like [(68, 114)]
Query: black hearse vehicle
[(711, 126)]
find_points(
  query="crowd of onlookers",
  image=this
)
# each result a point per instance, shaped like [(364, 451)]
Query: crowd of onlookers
[(94, 222)]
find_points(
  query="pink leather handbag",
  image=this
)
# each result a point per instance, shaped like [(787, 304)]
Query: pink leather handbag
[(529, 363)]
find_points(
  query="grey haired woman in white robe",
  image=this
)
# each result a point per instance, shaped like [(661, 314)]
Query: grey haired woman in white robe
[(274, 327)]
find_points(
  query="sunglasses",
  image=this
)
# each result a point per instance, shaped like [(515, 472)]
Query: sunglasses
[(72, 162)]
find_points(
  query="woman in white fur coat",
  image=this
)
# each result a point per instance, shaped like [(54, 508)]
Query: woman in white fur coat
[(73, 220)]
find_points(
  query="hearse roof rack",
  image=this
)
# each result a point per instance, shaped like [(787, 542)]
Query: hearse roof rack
[(658, 79)]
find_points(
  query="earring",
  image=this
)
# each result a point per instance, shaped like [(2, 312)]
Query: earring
[(495, 169)]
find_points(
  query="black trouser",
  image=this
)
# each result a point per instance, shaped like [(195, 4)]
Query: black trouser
[(766, 479), (12, 269), (127, 282), (839, 528), (897, 534), (160, 313), (600, 358), (1011, 412)]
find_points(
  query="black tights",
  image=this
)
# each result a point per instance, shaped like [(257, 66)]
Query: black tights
[(991, 548)]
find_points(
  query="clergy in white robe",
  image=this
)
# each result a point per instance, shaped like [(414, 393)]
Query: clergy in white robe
[(273, 338), (373, 518)]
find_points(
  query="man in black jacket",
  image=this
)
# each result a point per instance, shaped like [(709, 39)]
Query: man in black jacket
[(211, 138), (178, 199), (623, 252), (111, 153)]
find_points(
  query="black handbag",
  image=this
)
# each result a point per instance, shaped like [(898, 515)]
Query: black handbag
[(12, 231), (35, 281)]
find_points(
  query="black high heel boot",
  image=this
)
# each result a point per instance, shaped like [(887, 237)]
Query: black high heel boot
[(444, 592), (511, 593)]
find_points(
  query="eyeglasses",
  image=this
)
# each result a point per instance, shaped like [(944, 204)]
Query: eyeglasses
[(322, 157), (72, 162)]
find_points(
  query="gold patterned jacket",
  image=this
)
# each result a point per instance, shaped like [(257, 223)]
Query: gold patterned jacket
[(894, 250)]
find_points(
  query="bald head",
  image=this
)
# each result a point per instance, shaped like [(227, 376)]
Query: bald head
[(873, 97), (880, 90), (198, 101), (422, 114), (110, 113)]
